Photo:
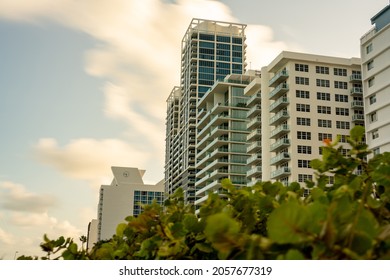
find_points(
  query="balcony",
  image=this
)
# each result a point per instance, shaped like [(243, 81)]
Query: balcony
[(254, 99), (355, 78), (358, 91), (278, 91), (279, 131), (254, 135), (254, 147), (281, 172), (253, 159), (253, 111), (358, 117), (357, 104), (254, 172), (280, 158), (253, 123), (279, 118), (280, 144), (278, 78), (279, 104)]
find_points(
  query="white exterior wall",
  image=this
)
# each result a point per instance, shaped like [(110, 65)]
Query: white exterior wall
[(116, 201), (379, 40)]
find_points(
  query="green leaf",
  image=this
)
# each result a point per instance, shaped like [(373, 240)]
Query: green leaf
[(288, 223), (294, 254), (120, 229), (73, 248)]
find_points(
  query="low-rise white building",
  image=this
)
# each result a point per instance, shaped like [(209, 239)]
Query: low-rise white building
[(124, 197)]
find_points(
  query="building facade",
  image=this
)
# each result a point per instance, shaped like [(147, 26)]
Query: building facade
[(304, 99), (222, 136), (210, 50), (375, 53), (124, 197)]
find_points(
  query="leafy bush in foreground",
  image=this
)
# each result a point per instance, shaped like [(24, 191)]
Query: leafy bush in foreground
[(348, 220)]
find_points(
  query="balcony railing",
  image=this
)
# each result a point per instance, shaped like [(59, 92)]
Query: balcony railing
[(357, 104), (256, 171), (280, 89), (256, 98), (356, 90), (358, 117), (280, 158), (255, 146), (280, 76), (254, 158), (355, 77), (280, 130), (254, 134), (279, 117), (253, 111), (284, 171), (278, 104), (253, 122), (281, 143)]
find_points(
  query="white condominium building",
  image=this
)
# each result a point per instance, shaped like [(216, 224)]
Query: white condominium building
[(375, 53), (222, 136), (305, 99)]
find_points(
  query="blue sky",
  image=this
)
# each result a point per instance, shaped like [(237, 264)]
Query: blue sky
[(83, 86)]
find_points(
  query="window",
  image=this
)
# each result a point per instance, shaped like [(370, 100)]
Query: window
[(320, 150), (323, 136), (342, 125), (342, 85), (303, 121), (323, 96), (342, 138), (371, 82), (303, 107), (341, 97), (342, 111), (376, 151), (304, 149), (322, 70), (373, 117), (323, 110), (372, 99), (304, 177), (303, 163), (302, 81), (322, 83), (344, 152), (302, 67), (375, 134), (369, 48), (304, 135), (370, 64), (340, 72), (303, 94), (324, 123)]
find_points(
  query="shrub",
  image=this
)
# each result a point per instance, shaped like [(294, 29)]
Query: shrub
[(346, 220)]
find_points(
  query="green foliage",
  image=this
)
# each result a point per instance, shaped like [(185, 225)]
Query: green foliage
[(346, 220)]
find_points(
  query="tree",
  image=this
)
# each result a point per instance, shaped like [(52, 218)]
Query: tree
[(346, 220)]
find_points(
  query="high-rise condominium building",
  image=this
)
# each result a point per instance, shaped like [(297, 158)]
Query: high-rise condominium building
[(305, 99), (210, 50), (222, 136), (124, 197), (375, 53)]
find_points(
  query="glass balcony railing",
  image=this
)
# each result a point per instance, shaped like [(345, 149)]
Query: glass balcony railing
[(279, 77), (281, 143), (280, 89), (284, 171)]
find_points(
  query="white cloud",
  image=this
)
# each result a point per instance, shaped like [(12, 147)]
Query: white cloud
[(89, 159), (15, 197), (138, 54)]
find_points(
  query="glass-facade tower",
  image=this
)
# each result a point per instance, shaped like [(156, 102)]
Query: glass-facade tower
[(210, 50)]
